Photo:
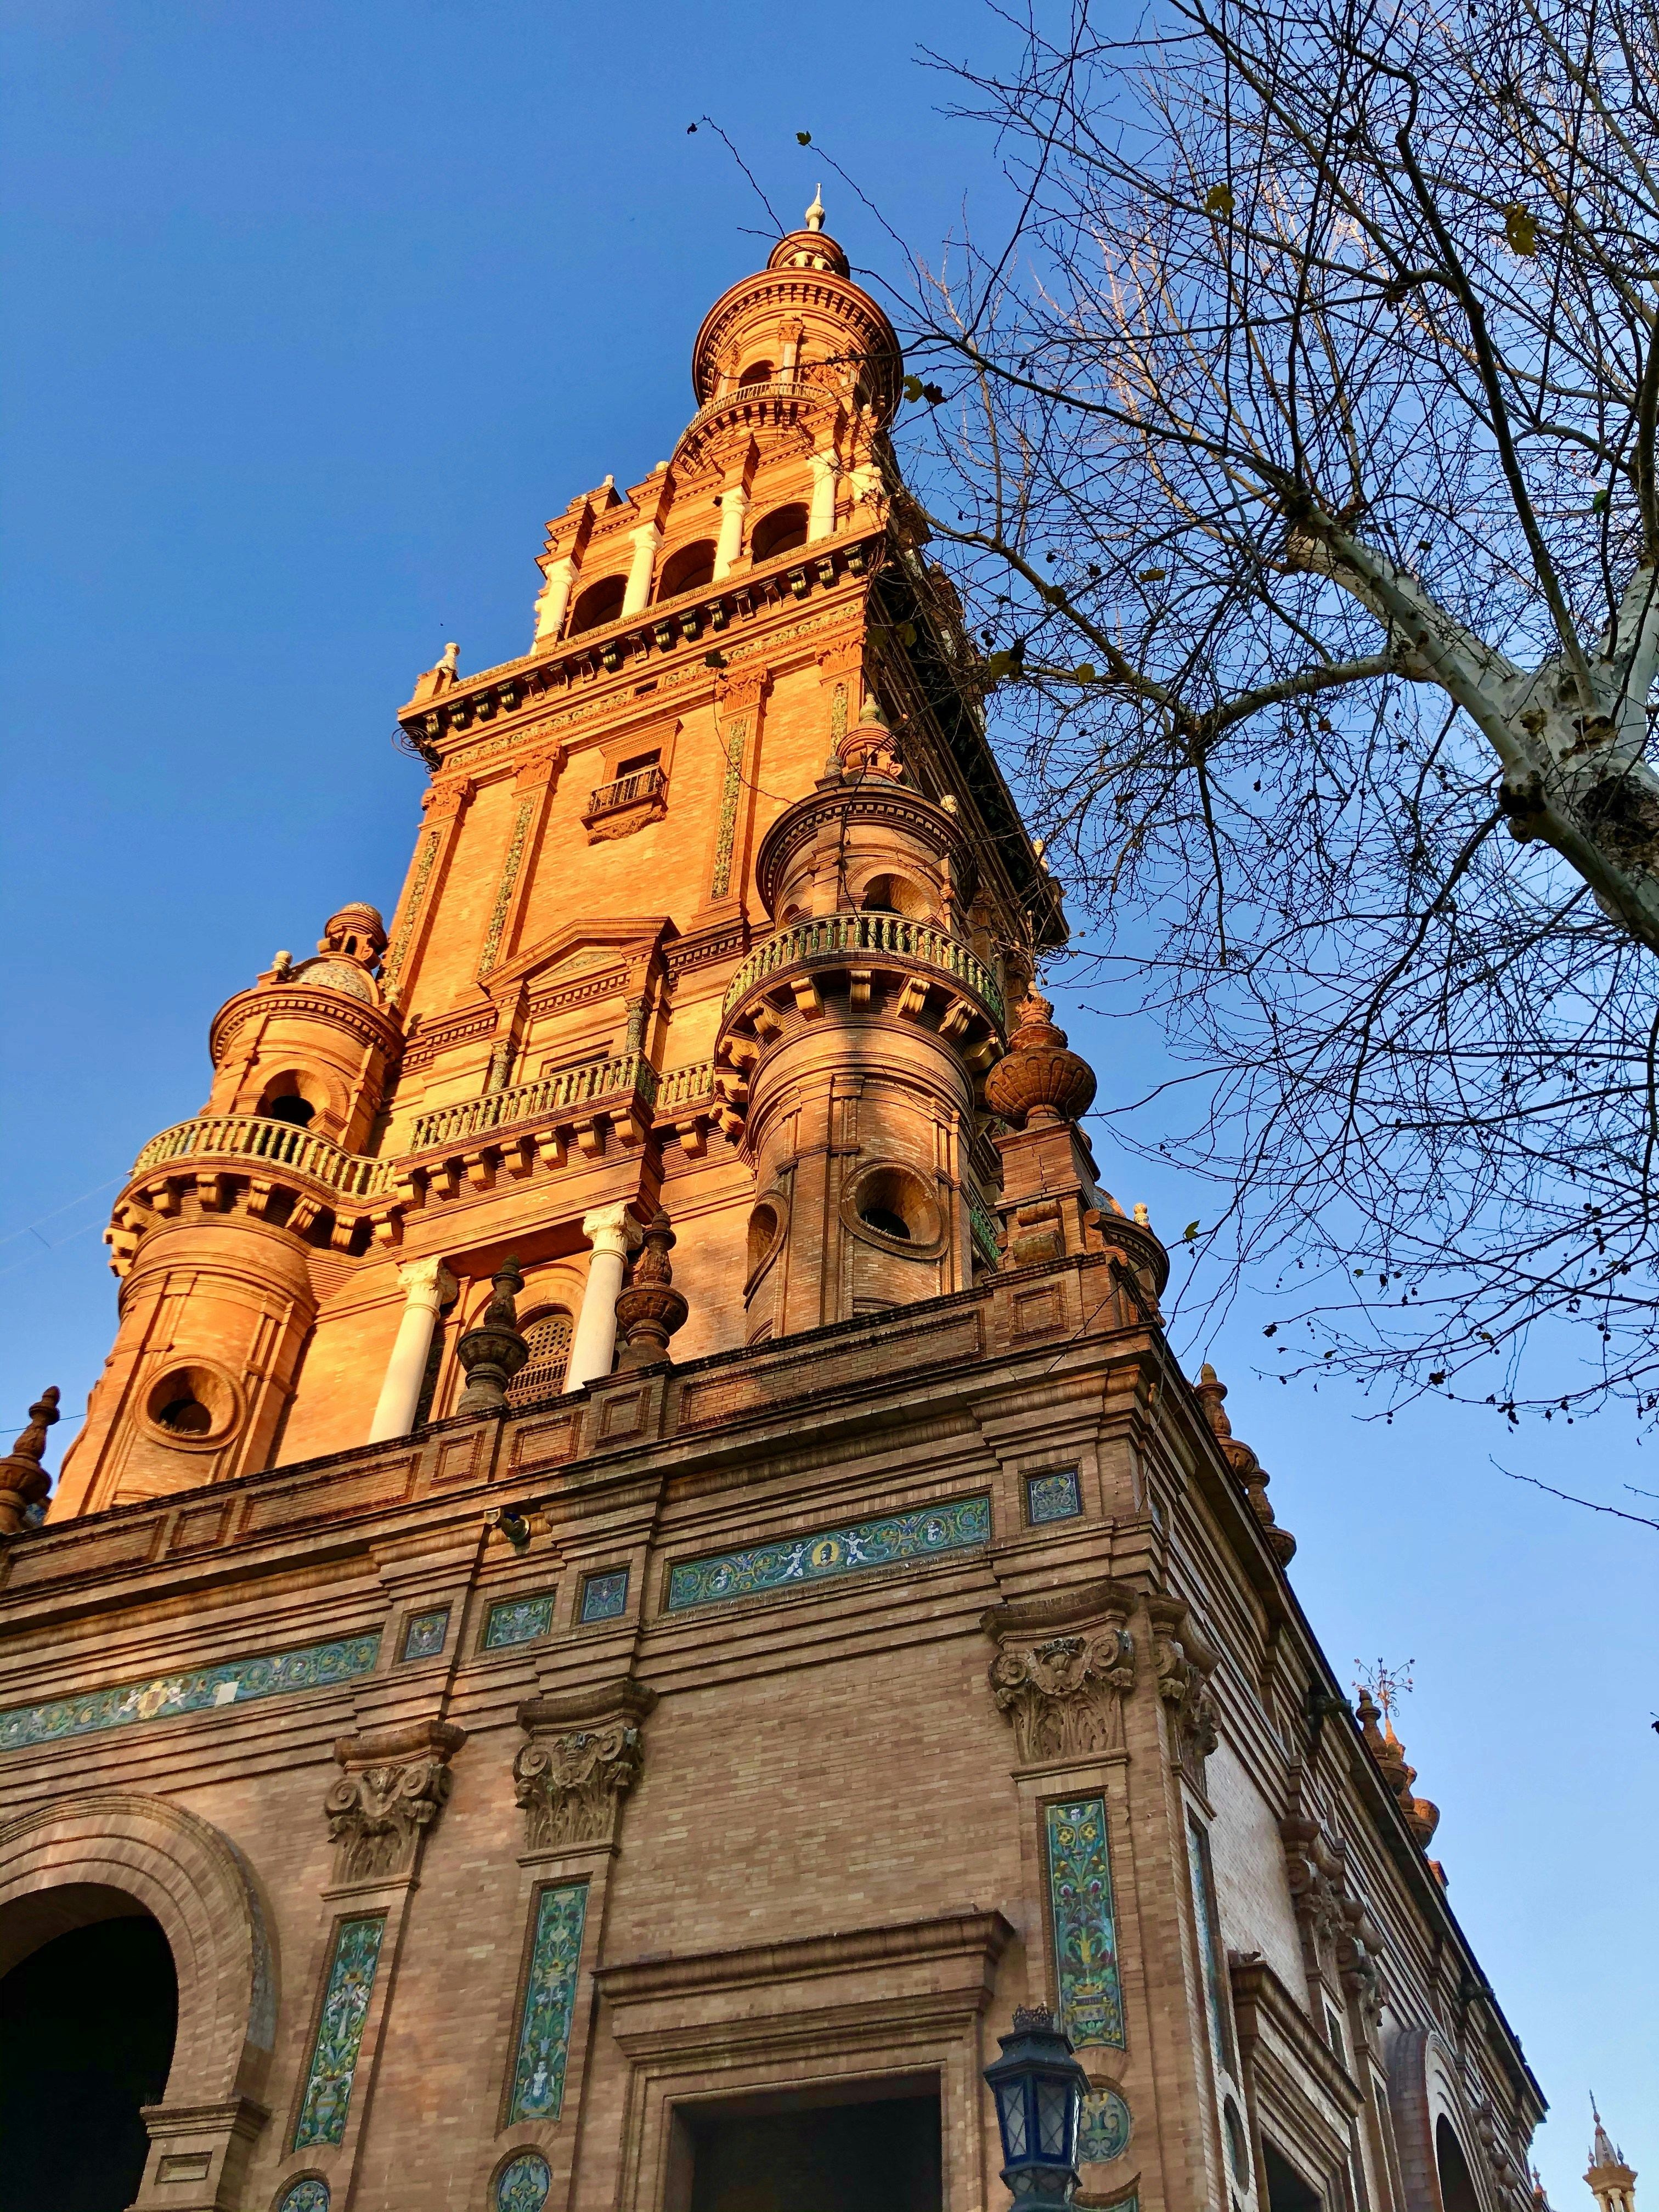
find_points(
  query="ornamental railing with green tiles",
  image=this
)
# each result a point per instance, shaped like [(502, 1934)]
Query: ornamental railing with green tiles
[(984, 1227), (571, 1088), (841, 936), (679, 1088), (252, 1141)]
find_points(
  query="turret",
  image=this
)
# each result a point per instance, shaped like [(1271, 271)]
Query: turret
[(1612, 2182), (212, 1236)]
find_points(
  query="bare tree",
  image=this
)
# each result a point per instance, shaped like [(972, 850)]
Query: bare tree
[(1294, 459)]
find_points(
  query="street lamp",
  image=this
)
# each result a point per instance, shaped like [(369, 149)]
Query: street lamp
[(1039, 2088)]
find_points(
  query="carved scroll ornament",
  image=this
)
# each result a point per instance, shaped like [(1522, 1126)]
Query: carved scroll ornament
[(1064, 1667), (583, 1757), (1185, 1663), (397, 1781)]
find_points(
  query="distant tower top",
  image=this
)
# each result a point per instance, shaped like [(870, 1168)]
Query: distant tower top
[(1612, 2182)]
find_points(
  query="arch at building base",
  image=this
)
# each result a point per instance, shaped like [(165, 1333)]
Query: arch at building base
[(1431, 2126), (180, 1869)]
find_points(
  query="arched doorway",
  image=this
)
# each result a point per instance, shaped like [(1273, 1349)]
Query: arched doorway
[(1457, 2189), (89, 2015)]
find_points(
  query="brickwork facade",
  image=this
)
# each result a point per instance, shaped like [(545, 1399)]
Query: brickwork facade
[(759, 1724)]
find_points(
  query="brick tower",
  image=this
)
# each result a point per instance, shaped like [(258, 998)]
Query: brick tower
[(639, 1573)]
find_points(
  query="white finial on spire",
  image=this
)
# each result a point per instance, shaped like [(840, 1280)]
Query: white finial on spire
[(815, 213)]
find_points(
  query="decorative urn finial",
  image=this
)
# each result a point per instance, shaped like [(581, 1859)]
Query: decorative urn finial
[(493, 1351), (1212, 1391), (1038, 1080), (815, 213), (650, 1310), (869, 748), (23, 1481)]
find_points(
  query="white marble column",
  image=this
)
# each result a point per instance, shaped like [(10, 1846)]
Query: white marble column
[(613, 1233), (553, 598), (647, 539), (427, 1284), (821, 522), (734, 505)]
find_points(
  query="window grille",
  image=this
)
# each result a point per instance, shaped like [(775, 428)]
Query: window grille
[(542, 1374)]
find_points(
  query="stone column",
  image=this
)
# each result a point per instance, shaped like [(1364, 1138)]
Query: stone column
[(646, 540), (734, 505), (613, 1233), (553, 598), (821, 522), (427, 1284)]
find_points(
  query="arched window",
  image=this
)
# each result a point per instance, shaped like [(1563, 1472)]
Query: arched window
[(542, 1374), (688, 570), (780, 532), (599, 604), (758, 371)]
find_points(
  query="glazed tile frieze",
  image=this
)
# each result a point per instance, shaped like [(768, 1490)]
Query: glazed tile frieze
[(202, 1689), (793, 1562)]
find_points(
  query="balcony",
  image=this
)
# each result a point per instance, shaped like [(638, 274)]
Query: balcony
[(615, 810), (877, 939), (572, 1092), (247, 1142)]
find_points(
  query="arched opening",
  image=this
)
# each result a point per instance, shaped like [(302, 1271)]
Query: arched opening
[(542, 1374), (290, 1107), (758, 371), (780, 532), (896, 894), (88, 2015), (762, 1233), (192, 1399), (897, 1204), (689, 569), (599, 604), (1458, 2190), (1287, 2191)]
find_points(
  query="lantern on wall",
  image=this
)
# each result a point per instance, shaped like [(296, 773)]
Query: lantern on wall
[(1039, 2088)]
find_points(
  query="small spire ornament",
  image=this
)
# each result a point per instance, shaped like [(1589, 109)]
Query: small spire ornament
[(650, 1310), (23, 1481), (815, 213), (494, 1350)]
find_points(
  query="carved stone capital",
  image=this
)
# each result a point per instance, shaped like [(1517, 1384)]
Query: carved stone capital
[(583, 1757), (396, 1783), (1185, 1663), (1063, 1668), (1337, 1932)]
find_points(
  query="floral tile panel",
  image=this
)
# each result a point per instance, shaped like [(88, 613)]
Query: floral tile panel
[(317, 1667), (333, 2066), (604, 1597), (1084, 1923), (524, 2184), (794, 1561), (549, 2002), (1052, 1498), (519, 1620), (425, 1635), (1104, 2133)]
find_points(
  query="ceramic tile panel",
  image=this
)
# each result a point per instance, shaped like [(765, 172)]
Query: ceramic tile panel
[(1084, 1923), (310, 2195), (425, 1634), (604, 1597), (1052, 1497), (795, 1561), (164, 1696), (1104, 2133), (519, 1620), (523, 2183), (350, 1984), (550, 2000)]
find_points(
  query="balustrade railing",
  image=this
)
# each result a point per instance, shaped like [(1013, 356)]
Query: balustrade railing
[(680, 1087), (251, 1139), (528, 1102), (984, 1227), (626, 791), (829, 936)]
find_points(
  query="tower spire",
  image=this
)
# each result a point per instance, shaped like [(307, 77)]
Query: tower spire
[(1612, 2182), (815, 213)]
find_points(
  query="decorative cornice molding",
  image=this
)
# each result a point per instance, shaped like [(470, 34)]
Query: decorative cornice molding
[(953, 1934)]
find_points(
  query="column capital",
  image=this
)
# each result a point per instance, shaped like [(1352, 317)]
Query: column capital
[(648, 534), (426, 1282), (612, 1229)]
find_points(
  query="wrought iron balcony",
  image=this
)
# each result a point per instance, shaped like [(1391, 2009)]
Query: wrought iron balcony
[(647, 786), (834, 938)]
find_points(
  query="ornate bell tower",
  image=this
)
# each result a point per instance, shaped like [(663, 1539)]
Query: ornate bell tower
[(719, 904)]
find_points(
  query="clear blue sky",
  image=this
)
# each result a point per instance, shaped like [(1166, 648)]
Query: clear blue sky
[(315, 312)]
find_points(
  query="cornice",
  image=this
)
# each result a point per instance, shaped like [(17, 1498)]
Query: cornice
[(952, 1936)]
